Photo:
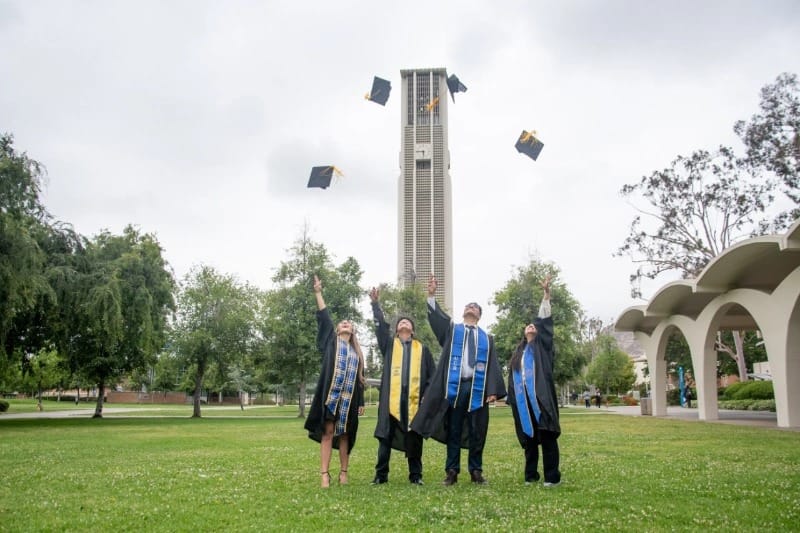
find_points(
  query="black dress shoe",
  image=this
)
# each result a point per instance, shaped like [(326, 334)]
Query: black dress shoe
[(477, 477), (379, 481), (451, 479)]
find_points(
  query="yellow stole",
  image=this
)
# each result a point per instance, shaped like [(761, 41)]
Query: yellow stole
[(395, 386)]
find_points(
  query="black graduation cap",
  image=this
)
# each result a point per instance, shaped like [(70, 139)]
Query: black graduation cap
[(455, 86), (380, 91), (321, 176), (529, 145)]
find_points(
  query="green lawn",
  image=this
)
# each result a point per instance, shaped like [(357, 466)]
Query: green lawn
[(260, 472)]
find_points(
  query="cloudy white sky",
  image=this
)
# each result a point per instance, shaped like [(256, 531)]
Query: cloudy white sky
[(200, 121)]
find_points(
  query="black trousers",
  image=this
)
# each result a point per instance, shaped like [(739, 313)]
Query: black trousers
[(550, 456), (413, 442)]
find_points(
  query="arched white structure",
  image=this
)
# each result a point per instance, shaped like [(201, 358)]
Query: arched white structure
[(752, 285)]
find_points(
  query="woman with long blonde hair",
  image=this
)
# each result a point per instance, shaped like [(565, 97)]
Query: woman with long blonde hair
[(339, 397)]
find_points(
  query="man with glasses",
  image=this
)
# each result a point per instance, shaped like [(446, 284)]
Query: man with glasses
[(468, 376)]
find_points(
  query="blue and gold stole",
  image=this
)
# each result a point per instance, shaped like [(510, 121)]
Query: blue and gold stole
[(342, 385), (458, 349), (395, 383), (525, 391)]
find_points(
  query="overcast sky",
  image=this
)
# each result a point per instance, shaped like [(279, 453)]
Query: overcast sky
[(200, 122)]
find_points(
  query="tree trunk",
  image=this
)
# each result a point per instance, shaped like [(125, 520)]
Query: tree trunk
[(101, 391), (738, 342), (219, 396), (302, 396), (77, 395), (198, 381)]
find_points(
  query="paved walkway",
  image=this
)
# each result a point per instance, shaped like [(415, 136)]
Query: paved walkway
[(765, 419)]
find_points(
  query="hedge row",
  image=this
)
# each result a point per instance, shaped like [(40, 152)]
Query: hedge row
[(748, 405), (748, 390)]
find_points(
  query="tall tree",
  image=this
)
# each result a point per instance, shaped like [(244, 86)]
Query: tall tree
[(116, 318), (772, 139), (708, 201), (612, 370), (215, 325), (290, 327), (22, 217), (518, 304)]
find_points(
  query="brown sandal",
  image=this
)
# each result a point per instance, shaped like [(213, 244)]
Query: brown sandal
[(326, 480), (343, 479)]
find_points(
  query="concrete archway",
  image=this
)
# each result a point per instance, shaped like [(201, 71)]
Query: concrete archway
[(752, 285)]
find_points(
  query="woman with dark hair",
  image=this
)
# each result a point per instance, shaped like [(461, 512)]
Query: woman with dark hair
[(339, 397), (532, 396)]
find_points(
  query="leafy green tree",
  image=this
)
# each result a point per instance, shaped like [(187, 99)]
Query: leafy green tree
[(115, 308), (22, 215), (214, 326), (706, 202), (772, 139), (518, 304), (167, 373), (289, 326), (612, 370), (42, 371)]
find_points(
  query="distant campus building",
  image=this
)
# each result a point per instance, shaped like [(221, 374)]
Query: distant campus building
[(424, 190), (754, 285)]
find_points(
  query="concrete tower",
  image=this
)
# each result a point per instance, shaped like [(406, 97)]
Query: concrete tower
[(424, 190)]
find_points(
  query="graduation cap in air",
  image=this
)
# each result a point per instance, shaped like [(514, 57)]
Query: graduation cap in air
[(321, 176), (455, 86), (529, 145), (380, 91)]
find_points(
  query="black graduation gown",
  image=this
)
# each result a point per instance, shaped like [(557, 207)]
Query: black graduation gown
[(432, 419), (383, 427), (315, 422), (545, 386)]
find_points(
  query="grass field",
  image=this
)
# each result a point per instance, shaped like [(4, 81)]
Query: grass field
[(257, 470)]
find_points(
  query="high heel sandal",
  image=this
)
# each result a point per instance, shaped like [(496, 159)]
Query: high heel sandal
[(326, 480), (343, 477)]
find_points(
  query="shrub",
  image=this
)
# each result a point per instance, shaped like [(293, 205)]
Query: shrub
[(748, 405), (3, 406), (629, 400), (755, 390), (674, 397), (731, 390)]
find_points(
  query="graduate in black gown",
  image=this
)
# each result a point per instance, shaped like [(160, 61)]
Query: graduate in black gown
[(339, 397), (407, 368), (532, 396), (468, 377)]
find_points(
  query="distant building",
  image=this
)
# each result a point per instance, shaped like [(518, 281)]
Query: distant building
[(424, 189)]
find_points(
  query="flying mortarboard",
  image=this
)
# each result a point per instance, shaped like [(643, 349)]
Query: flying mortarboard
[(529, 145), (380, 91), (455, 86), (321, 176)]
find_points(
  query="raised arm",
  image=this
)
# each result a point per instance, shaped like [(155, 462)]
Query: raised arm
[(318, 293), (325, 330), (439, 320), (544, 307), (381, 326)]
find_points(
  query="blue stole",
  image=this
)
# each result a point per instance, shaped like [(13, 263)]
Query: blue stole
[(458, 349), (525, 391), (342, 385)]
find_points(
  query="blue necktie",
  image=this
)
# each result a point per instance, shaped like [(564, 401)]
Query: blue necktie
[(471, 351)]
